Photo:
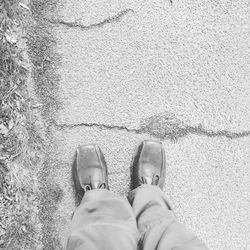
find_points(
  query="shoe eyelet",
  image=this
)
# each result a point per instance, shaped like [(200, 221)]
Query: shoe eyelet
[(87, 188), (102, 186), (156, 179)]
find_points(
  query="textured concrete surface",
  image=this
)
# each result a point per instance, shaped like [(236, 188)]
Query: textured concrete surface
[(178, 71)]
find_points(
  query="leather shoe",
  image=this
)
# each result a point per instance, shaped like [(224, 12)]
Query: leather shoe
[(148, 165), (89, 169)]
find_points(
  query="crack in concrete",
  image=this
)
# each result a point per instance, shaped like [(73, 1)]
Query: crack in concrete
[(166, 126), (163, 126), (97, 125), (77, 24)]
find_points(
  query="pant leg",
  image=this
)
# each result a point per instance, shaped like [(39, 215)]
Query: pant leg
[(157, 223), (103, 221)]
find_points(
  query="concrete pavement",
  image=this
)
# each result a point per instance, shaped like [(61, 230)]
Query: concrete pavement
[(175, 71)]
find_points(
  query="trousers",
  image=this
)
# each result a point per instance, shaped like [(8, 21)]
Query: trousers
[(144, 220)]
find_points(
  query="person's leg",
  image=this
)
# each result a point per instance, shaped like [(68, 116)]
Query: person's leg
[(102, 220), (157, 223)]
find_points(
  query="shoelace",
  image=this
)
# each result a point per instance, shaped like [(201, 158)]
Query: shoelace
[(152, 181)]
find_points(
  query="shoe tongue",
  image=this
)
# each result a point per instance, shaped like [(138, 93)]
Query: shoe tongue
[(94, 185), (149, 173), (96, 180), (148, 180)]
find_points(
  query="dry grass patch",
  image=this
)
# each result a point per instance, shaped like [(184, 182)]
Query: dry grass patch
[(20, 143)]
